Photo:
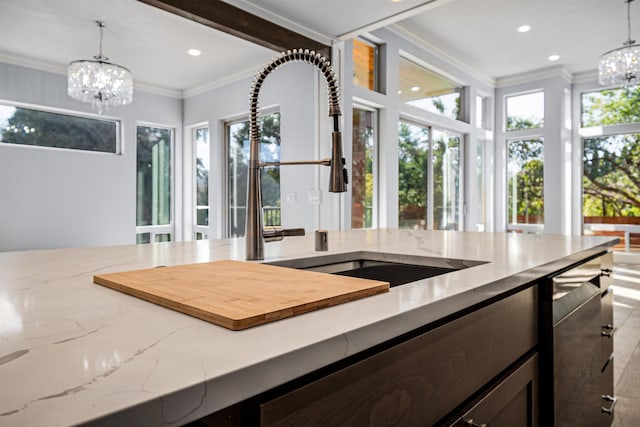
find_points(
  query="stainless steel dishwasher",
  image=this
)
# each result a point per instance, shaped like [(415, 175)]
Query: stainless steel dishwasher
[(576, 346)]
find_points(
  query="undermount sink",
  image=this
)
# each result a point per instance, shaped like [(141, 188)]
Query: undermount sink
[(393, 268)]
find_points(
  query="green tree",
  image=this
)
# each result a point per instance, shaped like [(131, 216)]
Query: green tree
[(526, 181), (45, 129), (611, 177), (413, 145)]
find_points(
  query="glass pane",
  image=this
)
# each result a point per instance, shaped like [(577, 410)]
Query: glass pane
[(525, 171), (153, 176), (413, 147), (202, 176), (238, 134), (362, 168), (25, 126), (426, 90), (611, 180), (364, 64), (143, 238), (611, 107), (165, 237), (446, 180), (525, 111)]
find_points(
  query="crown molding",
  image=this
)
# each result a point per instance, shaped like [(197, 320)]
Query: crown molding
[(429, 47), (197, 90), (535, 75), (585, 76)]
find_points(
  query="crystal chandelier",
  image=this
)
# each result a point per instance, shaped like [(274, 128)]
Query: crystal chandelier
[(99, 82), (621, 67)]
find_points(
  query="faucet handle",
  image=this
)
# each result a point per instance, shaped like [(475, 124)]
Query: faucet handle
[(275, 233)]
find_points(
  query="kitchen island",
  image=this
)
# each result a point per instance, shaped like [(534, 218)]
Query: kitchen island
[(72, 352)]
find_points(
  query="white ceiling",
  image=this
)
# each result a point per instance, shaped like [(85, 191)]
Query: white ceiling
[(150, 42), (153, 43)]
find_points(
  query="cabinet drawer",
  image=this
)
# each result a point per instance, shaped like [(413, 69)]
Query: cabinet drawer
[(511, 402), (419, 381)]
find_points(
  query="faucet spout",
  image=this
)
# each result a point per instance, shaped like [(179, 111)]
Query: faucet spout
[(254, 232)]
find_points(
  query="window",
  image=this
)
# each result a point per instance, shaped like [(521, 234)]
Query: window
[(365, 64), (34, 127), (153, 200), (238, 161), (413, 147), (525, 171), (611, 107), (611, 165), (525, 111), (362, 168), (427, 90), (201, 141), (429, 185)]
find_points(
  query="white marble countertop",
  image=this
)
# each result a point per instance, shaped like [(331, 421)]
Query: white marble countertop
[(73, 352)]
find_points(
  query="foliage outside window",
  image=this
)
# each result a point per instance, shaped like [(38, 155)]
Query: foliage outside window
[(202, 176), (238, 166), (611, 180), (27, 126), (611, 107), (415, 167), (365, 68), (362, 168), (429, 91), (153, 183), (525, 179), (413, 152), (525, 111)]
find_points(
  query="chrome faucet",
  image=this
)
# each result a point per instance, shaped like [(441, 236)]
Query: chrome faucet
[(255, 234)]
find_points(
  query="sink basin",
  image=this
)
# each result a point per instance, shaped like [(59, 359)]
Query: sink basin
[(393, 268)]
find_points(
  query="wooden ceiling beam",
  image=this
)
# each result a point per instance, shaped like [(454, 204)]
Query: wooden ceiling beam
[(235, 21)]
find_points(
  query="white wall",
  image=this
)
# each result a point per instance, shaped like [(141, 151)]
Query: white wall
[(65, 198), (299, 94)]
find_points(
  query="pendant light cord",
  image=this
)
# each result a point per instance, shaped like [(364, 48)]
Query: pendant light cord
[(101, 25)]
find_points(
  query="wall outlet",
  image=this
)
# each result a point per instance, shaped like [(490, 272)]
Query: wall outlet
[(290, 198), (314, 197)]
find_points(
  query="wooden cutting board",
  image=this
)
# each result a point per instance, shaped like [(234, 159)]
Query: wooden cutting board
[(237, 294)]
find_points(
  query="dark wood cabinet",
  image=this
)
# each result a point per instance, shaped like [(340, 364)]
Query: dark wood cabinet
[(418, 382)]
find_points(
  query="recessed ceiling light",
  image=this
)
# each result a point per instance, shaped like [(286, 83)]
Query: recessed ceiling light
[(396, 1), (415, 88), (194, 52), (399, 92), (524, 28), (553, 57)]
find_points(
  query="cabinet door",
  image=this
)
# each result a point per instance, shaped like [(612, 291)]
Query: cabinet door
[(577, 353), (420, 381), (511, 402)]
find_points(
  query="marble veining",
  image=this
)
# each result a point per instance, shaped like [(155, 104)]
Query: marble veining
[(72, 352)]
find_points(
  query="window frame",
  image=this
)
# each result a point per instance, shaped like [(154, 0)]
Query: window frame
[(163, 228), (119, 149), (536, 129), (431, 129), (226, 151), (376, 63), (203, 230)]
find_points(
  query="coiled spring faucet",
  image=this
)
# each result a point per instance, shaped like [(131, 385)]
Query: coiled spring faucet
[(256, 235)]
